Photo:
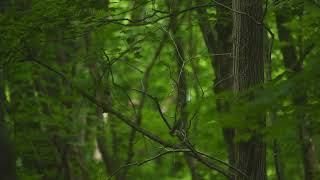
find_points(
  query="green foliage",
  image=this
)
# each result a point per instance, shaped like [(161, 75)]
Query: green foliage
[(96, 48)]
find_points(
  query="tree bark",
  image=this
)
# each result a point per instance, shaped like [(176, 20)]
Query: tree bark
[(248, 71)]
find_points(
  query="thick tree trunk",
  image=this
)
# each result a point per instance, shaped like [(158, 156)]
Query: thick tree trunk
[(248, 71)]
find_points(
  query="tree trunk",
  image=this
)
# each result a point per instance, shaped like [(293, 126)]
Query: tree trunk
[(293, 64), (272, 114), (248, 71), (223, 70), (7, 155), (182, 88), (222, 64), (102, 92)]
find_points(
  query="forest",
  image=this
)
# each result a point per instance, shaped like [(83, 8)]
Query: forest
[(159, 89)]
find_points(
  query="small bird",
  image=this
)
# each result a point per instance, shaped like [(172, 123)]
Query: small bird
[(177, 126)]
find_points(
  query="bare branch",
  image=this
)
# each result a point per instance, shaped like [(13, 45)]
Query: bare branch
[(107, 108), (147, 160)]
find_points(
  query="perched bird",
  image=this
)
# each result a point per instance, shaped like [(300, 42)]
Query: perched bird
[(177, 126)]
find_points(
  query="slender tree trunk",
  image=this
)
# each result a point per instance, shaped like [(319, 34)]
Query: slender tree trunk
[(192, 52), (102, 93), (208, 32), (7, 155), (223, 69), (182, 88), (181, 101), (222, 63), (182, 117), (248, 71), (145, 87), (136, 14), (292, 63), (272, 114), (310, 161)]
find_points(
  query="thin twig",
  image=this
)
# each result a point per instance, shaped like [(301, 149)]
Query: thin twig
[(146, 161)]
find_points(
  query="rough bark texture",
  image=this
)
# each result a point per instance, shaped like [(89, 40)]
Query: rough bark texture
[(248, 69), (293, 64)]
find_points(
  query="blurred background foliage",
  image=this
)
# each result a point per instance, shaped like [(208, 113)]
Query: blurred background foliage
[(105, 48)]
